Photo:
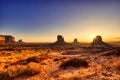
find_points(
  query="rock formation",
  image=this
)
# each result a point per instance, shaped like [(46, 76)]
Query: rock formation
[(20, 41), (2, 39), (75, 42), (60, 41), (7, 39), (98, 43)]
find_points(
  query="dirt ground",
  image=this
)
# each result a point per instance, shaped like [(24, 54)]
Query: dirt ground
[(44, 64)]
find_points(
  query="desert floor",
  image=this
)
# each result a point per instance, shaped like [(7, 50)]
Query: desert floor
[(43, 63)]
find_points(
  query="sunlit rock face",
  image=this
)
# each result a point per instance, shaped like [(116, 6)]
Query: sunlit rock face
[(60, 41), (2, 39), (98, 43), (7, 39)]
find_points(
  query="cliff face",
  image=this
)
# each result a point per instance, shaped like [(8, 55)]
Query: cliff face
[(60, 40), (6, 39), (2, 39), (9, 39), (98, 43)]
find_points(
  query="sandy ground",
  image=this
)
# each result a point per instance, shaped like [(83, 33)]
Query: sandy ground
[(101, 67)]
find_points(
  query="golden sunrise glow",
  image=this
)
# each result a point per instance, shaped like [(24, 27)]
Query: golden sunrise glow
[(92, 36)]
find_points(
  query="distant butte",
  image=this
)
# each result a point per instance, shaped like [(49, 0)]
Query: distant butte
[(60, 41), (20, 41), (98, 43), (75, 42)]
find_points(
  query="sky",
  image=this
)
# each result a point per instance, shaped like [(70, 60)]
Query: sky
[(43, 20)]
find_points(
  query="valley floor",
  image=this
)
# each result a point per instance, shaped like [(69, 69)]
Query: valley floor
[(101, 66)]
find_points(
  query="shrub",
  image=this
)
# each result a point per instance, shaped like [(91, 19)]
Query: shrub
[(10, 72), (56, 59), (75, 78), (75, 62), (25, 62), (3, 75), (33, 68), (117, 51)]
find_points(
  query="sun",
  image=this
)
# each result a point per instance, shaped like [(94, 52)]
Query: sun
[(91, 37)]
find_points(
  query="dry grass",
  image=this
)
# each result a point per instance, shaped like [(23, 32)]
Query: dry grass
[(31, 62), (26, 63), (30, 69), (4, 75)]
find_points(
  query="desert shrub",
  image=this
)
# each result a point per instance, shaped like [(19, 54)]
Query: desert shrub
[(117, 51), (32, 59), (30, 69), (75, 62), (75, 78), (16, 70), (33, 68), (56, 59), (3, 75), (25, 62)]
